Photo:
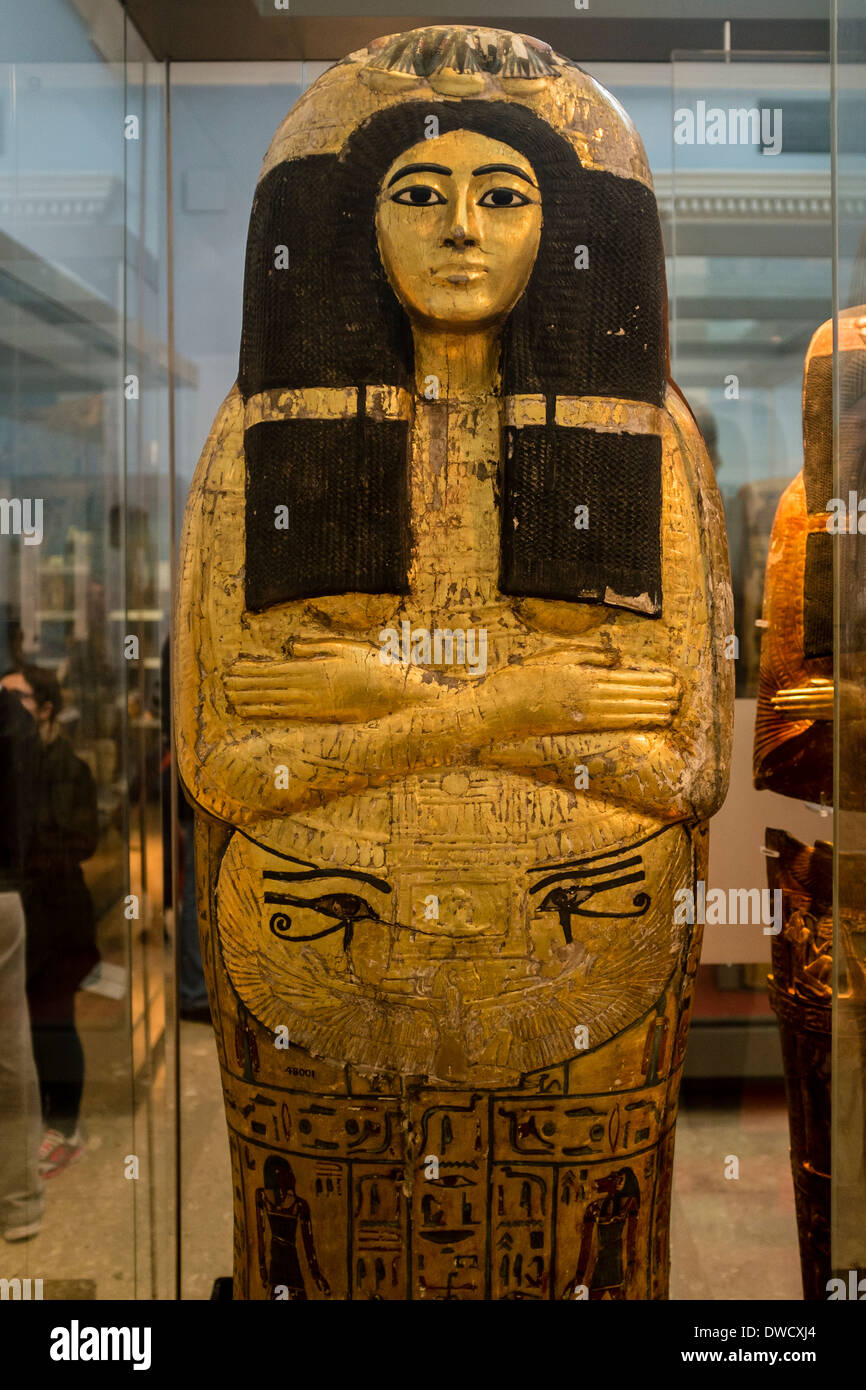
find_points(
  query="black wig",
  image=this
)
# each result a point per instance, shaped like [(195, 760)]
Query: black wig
[(332, 320)]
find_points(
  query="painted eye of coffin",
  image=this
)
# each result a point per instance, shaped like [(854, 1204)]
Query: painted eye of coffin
[(567, 902), (421, 195), (576, 887), (344, 908), (503, 198)]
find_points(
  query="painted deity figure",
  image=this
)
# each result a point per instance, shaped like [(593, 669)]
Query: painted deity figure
[(280, 1212), (452, 699), (608, 1246)]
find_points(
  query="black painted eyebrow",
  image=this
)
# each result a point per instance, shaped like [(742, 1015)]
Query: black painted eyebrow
[(290, 876), (583, 873), (600, 854), (418, 169), (503, 169)]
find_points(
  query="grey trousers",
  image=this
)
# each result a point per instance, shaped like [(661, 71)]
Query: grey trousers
[(21, 1187)]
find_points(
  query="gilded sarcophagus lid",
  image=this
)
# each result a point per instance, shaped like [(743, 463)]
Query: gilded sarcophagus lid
[(453, 693)]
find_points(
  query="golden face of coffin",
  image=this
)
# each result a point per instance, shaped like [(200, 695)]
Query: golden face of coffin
[(458, 222)]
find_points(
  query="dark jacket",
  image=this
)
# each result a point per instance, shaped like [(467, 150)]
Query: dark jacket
[(67, 822), (19, 763), (57, 903)]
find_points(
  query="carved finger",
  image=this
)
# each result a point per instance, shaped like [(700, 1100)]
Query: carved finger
[(665, 680), (316, 715), (630, 721), (652, 708), (573, 655), (614, 690), (315, 649), (268, 670)]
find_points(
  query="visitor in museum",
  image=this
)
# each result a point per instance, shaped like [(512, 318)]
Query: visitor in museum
[(20, 1183), (61, 925)]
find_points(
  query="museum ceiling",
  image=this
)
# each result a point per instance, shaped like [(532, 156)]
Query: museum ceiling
[(243, 30)]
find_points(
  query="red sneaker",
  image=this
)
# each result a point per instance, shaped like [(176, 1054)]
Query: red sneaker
[(57, 1152)]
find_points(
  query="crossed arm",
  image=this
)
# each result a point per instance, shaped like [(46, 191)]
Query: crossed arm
[(341, 720)]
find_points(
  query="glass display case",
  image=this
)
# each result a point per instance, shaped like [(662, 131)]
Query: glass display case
[(85, 593)]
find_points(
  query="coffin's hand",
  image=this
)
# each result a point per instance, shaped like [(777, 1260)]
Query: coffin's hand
[(572, 690), (328, 682), (812, 700)]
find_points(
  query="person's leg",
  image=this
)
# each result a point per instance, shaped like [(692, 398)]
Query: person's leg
[(56, 1044), (21, 1187), (41, 1056), (61, 1067)]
